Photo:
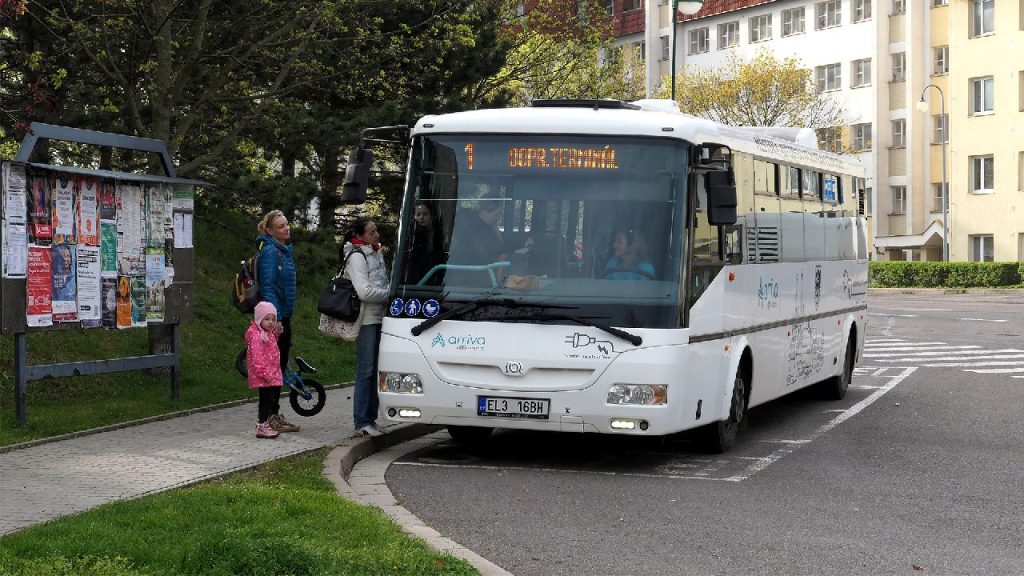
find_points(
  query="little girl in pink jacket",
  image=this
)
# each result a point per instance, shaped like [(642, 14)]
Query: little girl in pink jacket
[(264, 361)]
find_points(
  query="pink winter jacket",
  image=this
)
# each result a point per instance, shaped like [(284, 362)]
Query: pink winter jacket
[(263, 357)]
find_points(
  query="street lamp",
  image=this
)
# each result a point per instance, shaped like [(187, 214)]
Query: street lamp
[(689, 8), (923, 107)]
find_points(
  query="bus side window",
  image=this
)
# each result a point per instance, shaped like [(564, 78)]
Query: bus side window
[(707, 248)]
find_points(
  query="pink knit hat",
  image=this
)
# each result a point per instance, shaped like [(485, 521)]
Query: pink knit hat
[(262, 309)]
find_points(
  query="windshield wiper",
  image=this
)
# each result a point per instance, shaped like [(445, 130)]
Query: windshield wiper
[(462, 311)]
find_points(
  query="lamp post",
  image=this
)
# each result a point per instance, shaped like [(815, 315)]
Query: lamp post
[(923, 107), (688, 7)]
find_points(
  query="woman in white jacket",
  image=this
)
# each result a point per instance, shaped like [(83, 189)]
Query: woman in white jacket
[(370, 279)]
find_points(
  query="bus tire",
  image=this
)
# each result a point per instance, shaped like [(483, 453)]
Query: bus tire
[(720, 437), (835, 387), (469, 435)]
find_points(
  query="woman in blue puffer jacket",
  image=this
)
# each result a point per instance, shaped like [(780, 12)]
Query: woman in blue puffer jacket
[(277, 285)]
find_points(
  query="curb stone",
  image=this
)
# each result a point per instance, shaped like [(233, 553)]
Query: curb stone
[(373, 491)]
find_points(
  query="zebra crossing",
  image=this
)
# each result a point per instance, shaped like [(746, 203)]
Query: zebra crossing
[(970, 358)]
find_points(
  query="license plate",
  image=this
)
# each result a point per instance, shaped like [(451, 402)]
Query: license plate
[(512, 407)]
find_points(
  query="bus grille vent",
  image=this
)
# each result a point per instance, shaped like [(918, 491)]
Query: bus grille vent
[(762, 244)]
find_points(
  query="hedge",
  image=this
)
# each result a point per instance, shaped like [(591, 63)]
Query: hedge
[(883, 274)]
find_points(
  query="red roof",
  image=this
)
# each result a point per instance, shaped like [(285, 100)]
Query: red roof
[(715, 7)]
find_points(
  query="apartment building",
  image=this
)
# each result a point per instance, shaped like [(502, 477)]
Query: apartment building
[(877, 57)]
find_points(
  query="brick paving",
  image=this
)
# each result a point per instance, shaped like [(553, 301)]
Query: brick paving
[(51, 480)]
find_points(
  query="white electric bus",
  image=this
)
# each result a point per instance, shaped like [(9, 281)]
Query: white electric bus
[(612, 267)]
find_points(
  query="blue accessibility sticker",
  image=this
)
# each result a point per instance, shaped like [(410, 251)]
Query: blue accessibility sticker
[(431, 308), (412, 307), (397, 305)]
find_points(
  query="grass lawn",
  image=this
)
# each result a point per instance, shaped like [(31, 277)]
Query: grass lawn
[(209, 345), (280, 518)]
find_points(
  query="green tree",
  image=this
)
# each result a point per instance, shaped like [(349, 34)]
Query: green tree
[(766, 91)]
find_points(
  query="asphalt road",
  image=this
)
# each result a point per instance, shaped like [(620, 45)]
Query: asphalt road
[(917, 471)]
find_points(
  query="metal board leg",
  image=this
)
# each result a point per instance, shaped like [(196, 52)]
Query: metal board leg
[(176, 351), (21, 377)]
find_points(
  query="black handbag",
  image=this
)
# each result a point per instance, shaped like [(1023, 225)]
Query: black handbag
[(339, 300)]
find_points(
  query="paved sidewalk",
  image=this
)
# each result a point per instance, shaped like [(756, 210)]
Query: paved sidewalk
[(50, 480)]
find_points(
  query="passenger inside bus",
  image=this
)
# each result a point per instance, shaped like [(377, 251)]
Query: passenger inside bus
[(629, 258), (476, 240), (425, 248)]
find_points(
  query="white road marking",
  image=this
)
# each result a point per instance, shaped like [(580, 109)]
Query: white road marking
[(899, 343), (975, 364), (920, 347), (920, 309), (995, 370), (981, 320), (895, 315), (940, 353)]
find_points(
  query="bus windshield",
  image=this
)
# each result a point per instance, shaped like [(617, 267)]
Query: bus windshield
[(592, 224)]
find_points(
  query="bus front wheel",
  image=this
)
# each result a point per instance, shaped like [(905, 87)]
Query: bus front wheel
[(720, 437), (469, 435)]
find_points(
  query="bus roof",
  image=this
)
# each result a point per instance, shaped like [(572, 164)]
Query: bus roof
[(650, 118)]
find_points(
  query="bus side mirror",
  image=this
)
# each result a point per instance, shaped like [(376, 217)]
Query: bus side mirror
[(721, 198), (357, 176)]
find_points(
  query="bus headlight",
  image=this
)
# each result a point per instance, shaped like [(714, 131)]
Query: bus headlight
[(642, 394), (400, 383)]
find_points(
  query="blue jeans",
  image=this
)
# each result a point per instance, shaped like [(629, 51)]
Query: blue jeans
[(365, 402)]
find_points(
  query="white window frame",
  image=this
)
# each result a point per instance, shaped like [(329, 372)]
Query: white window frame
[(898, 7), (699, 41), (628, 5), (824, 82), (861, 11), (982, 247), (760, 28), (830, 139), (860, 71), (940, 58), (982, 16), (983, 99), (899, 199), (1020, 171), (793, 21), (937, 3), (937, 195), (666, 47), (827, 14), (729, 35), (983, 171), (899, 133), (940, 133), (899, 67), (861, 137)]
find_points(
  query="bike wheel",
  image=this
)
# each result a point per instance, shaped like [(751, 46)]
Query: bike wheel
[(314, 404)]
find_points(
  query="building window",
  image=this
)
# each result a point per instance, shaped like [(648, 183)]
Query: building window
[(639, 51), (899, 199), (899, 133), (982, 95), (760, 28), (982, 173), (899, 67), (827, 15), (898, 7), (861, 10), (699, 41), (983, 13), (861, 136), (941, 60), (793, 21), (936, 3), (861, 73), (609, 7), (666, 48), (1020, 171), (728, 35), (982, 249), (830, 139), (628, 5), (868, 202), (828, 77), (940, 133), (937, 196), (1020, 84)]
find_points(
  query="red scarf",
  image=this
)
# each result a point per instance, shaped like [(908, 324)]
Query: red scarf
[(359, 242)]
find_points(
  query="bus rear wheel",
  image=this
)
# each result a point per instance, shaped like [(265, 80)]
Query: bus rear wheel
[(835, 387), (469, 435), (720, 437)]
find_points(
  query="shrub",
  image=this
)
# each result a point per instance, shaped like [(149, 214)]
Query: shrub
[(944, 274)]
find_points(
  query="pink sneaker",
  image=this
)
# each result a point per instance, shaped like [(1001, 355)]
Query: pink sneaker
[(263, 430)]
